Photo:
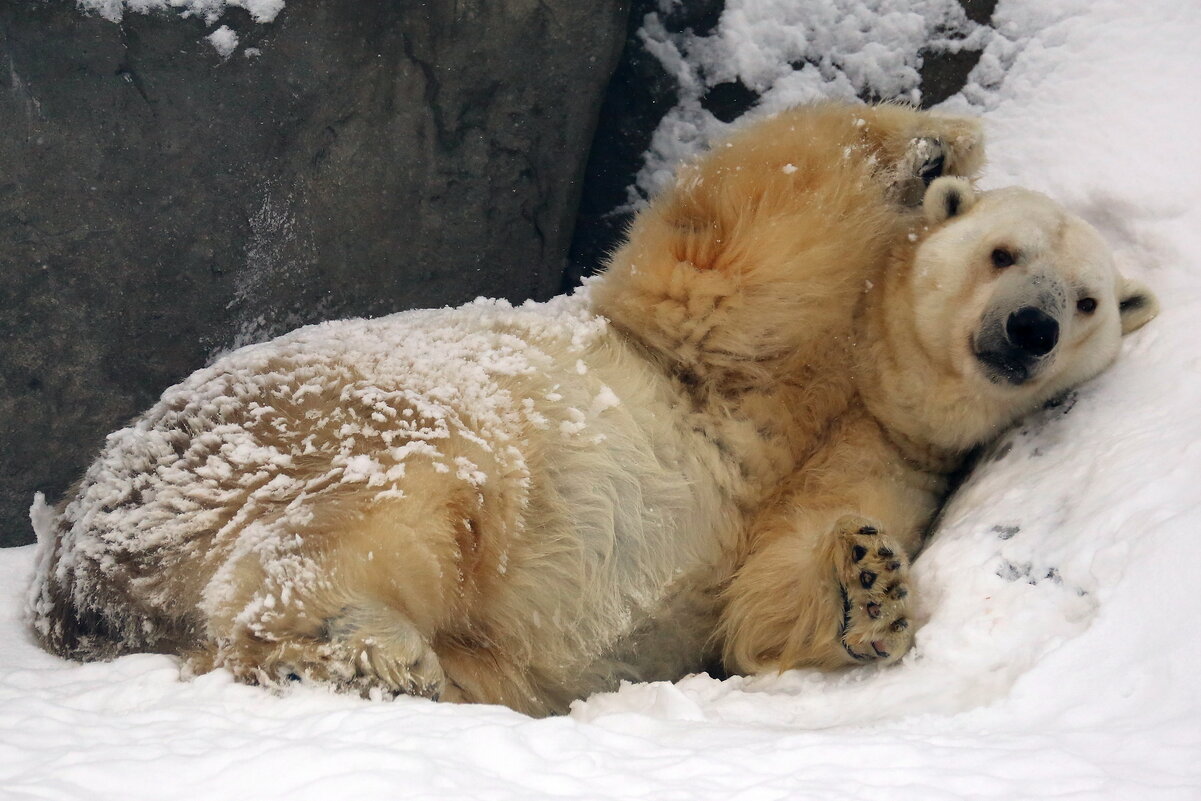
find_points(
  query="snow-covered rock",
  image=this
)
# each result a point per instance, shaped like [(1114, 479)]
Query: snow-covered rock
[(216, 172)]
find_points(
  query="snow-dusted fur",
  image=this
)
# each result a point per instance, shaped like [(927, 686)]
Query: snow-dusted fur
[(728, 446)]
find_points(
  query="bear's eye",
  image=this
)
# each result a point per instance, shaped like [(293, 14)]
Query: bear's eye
[(1086, 305), (1002, 258)]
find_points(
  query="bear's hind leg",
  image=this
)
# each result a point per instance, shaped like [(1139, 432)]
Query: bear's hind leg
[(340, 596), (365, 647)]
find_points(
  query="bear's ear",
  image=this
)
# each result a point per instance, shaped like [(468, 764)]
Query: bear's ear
[(948, 197), (1136, 304)]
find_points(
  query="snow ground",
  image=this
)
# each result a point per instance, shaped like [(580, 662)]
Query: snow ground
[(1058, 653)]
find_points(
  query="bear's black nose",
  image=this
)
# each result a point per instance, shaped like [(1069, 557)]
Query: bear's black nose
[(1032, 331)]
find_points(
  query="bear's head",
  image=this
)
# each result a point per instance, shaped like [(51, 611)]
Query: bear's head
[(1017, 296)]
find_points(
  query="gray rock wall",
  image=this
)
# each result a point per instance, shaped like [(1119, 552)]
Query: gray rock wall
[(159, 203)]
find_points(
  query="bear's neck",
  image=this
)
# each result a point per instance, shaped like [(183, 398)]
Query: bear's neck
[(926, 413)]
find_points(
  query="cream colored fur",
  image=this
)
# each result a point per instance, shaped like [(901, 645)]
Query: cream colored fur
[(736, 460)]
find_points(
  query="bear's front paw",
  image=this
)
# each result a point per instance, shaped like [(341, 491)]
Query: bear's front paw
[(960, 140), (941, 145), (925, 159), (873, 573)]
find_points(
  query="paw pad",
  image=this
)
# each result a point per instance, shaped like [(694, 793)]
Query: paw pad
[(875, 624)]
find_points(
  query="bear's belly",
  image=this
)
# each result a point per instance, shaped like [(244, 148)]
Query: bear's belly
[(632, 530)]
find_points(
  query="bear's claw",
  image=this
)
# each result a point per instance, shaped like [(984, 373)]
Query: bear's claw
[(874, 626), (925, 159), (371, 649), (389, 655), (935, 158)]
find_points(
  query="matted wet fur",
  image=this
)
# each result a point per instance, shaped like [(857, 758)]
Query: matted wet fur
[(728, 447)]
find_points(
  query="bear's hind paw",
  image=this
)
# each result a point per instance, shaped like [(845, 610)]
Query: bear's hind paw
[(370, 649), (386, 654)]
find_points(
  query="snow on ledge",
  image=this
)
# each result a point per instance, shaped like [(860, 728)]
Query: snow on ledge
[(224, 41), (261, 11)]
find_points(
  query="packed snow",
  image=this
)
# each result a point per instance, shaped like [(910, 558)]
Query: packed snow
[(1057, 654)]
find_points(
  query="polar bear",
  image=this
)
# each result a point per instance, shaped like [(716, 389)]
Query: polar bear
[(728, 446)]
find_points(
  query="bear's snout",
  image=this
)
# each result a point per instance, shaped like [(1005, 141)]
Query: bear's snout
[(1013, 347), (1032, 331)]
